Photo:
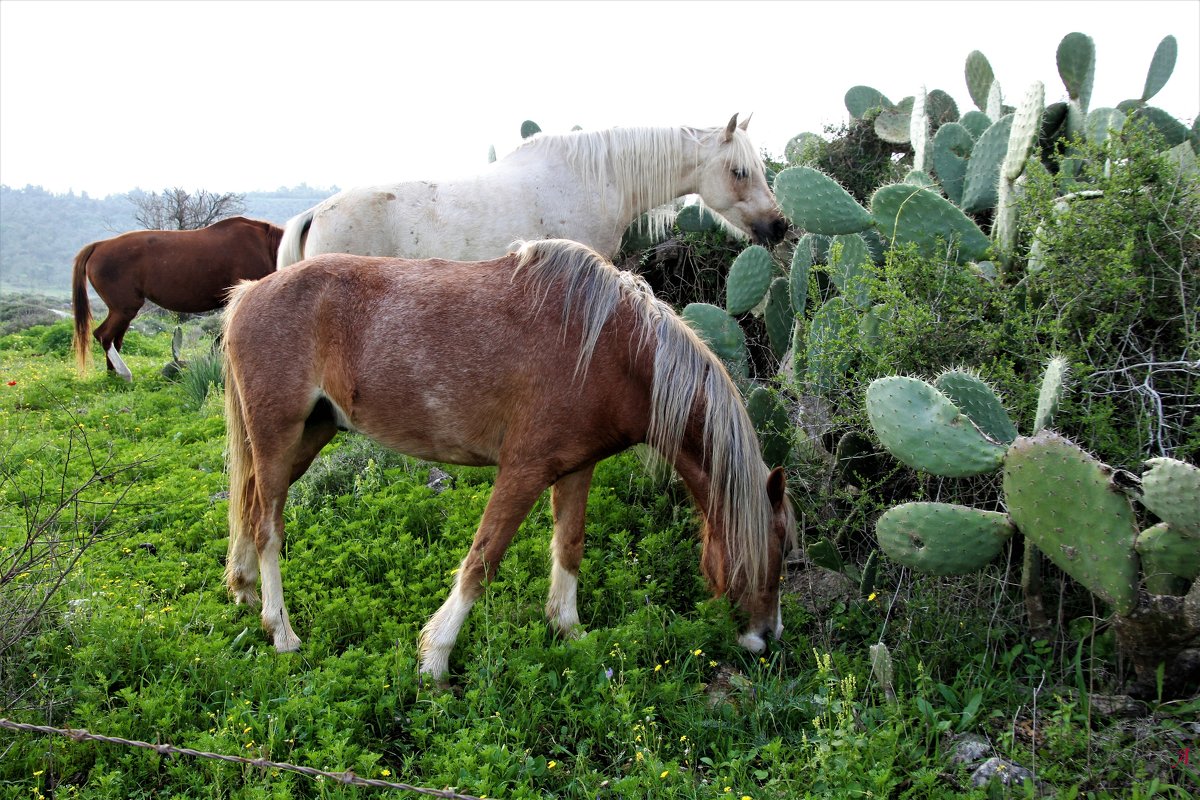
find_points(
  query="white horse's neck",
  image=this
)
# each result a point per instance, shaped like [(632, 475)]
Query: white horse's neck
[(631, 170)]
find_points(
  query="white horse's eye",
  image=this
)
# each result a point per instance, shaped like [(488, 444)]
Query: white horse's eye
[(740, 173)]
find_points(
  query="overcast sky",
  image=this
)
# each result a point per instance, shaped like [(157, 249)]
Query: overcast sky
[(105, 97)]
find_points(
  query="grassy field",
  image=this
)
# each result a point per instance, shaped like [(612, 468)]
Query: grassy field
[(140, 640)]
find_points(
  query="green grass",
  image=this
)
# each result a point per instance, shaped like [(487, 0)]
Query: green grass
[(142, 642)]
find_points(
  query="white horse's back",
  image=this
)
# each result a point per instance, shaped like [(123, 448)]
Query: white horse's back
[(584, 186)]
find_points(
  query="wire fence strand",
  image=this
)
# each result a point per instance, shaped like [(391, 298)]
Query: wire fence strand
[(346, 777)]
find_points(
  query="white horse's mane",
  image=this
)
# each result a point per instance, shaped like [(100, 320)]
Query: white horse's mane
[(643, 161)]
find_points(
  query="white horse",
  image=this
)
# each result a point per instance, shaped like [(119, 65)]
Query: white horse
[(586, 186)]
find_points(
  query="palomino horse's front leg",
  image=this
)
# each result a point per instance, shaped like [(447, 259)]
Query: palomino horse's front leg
[(568, 497), (512, 498)]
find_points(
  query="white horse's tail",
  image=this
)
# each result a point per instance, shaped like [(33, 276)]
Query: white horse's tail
[(291, 246)]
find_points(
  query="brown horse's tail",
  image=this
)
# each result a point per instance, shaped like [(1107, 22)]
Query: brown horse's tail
[(239, 459), (82, 341)]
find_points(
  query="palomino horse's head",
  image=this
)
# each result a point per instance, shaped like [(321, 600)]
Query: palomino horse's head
[(756, 597), (733, 183)]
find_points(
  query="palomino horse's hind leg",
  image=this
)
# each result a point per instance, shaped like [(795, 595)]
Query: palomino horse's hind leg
[(569, 499), (513, 496), (241, 564), (242, 570)]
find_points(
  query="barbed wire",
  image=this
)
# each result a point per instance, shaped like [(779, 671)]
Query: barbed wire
[(346, 777)]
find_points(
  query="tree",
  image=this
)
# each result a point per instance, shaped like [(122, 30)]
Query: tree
[(178, 210)]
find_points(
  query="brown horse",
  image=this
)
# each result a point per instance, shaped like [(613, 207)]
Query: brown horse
[(542, 362), (188, 271)]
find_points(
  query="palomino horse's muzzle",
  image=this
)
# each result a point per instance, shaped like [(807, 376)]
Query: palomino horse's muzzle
[(754, 638), (770, 233)]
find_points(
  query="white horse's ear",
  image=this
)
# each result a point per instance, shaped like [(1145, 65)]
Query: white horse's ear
[(746, 121), (729, 128)]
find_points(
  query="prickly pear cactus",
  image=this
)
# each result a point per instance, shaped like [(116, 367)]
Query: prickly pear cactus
[(771, 421), (892, 124), (695, 218), (980, 78), (1064, 501), (778, 317), (1076, 57), (1171, 489), (849, 268), (802, 261), (1170, 560), (910, 214), (952, 145), (816, 202), (976, 122), (983, 170), (721, 332), (748, 280), (942, 539), (860, 100), (922, 427), (1054, 382), (1161, 67), (978, 401), (1026, 125)]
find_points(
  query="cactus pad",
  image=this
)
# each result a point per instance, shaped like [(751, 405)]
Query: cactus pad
[(910, 214), (695, 218), (1064, 501), (1050, 397), (849, 269), (983, 170), (1026, 125), (922, 427), (952, 146), (979, 402), (976, 122), (1171, 489), (816, 202), (720, 332), (1169, 559), (770, 420), (1076, 58), (802, 261), (942, 539), (748, 280), (778, 317), (979, 77), (1161, 67), (862, 99)]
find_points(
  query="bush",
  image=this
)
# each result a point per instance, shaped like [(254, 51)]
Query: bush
[(1118, 294)]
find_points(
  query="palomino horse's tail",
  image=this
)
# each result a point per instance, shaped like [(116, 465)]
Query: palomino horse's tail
[(82, 341), (239, 460), (291, 246)]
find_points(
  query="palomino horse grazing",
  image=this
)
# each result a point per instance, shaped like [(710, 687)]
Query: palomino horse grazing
[(188, 271), (586, 186), (542, 362)]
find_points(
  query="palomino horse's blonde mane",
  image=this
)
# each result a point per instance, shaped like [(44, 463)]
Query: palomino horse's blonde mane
[(683, 366), (643, 162)]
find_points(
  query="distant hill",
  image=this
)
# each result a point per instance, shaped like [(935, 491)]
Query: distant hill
[(41, 232)]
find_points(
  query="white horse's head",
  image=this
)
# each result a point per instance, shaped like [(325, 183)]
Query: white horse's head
[(733, 183)]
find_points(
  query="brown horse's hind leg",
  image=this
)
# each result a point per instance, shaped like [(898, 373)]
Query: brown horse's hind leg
[(569, 499), (111, 335), (513, 496)]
